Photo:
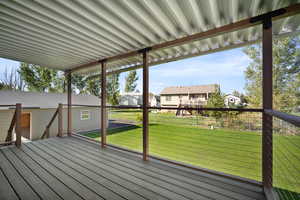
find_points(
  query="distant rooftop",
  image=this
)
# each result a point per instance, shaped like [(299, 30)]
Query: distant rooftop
[(44, 100), (195, 89)]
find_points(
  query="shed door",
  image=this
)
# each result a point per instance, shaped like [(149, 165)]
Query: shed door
[(25, 125)]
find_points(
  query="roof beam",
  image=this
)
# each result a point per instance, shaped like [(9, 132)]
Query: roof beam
[(95, 76), (246, 23)]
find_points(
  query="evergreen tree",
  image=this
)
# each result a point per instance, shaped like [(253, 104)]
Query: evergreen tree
[(113, 91), (215, 100), (286, 72), (131, 80), (93, 87)]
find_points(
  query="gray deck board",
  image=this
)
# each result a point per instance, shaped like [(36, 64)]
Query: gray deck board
[(101, 166), (35, 182), (23, 190), (6, 191), (123, 188), (104, 189), (184, 181), (84, 186), (116, 179), (172, 184), (70, 168), (76, 186), (61, 189)]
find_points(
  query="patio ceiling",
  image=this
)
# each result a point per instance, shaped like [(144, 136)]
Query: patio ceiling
[(69, 33)]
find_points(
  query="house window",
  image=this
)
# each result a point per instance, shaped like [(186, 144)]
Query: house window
[(85, 115), (168, 98)]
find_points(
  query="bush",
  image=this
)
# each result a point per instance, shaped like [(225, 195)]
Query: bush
[(139, 117)]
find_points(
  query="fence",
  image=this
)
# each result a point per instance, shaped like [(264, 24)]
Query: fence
[(286, 159)]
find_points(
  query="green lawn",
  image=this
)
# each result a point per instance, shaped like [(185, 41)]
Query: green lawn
[(233, 153), (230, 151), (242, 122)]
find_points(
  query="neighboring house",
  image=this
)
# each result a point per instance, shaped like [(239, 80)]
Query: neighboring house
[(136, 99), (131, 99), (187, 95), (232, 100), (38, 109)]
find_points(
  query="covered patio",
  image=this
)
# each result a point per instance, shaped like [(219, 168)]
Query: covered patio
[(102, 38)]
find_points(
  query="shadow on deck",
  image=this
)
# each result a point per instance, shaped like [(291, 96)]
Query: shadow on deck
[(72, 168)]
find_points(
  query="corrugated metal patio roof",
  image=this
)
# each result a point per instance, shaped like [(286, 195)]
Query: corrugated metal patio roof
[(68, 33)]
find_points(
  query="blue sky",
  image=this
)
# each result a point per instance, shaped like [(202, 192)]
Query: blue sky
[(225, 68), (9, 64)]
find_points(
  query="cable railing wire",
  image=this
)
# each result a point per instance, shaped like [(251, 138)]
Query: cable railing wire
[(239, 153), (286, 154), (230, 144)]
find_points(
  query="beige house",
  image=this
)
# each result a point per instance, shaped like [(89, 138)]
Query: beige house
[(187, 95), (38, 109)]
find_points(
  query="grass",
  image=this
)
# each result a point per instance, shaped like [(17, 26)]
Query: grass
[(229, 151), (195, 146)]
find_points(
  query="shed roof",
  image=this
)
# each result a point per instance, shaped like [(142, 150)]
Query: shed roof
[(65, 34), (195, 89), (44, 100)]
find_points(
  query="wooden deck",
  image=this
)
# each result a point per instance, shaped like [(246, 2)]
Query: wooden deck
[(71, 168)]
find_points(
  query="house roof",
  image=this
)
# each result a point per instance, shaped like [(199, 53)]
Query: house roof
[(44, 100), (195, 89), (67, 34), (132, 93)]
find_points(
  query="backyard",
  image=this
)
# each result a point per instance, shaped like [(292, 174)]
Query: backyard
[(202, 142)]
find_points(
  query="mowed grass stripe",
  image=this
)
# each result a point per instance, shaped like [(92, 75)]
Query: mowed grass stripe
[(225, 161), (233, 152)]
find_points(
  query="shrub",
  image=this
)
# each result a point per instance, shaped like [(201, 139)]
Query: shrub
[(139, 117)]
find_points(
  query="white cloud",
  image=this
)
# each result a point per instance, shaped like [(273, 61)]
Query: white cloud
[(231, 65), (224, 68)]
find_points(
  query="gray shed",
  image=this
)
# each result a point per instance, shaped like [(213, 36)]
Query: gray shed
[(38, 109)]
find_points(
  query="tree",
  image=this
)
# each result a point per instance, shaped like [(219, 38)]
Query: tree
[(93, 87), (286, 69), (42, 79), (296, 86), (38, 78), (79, 83), (2, 86), (113, 91), (131, 79), (11, 80), (215, 100)]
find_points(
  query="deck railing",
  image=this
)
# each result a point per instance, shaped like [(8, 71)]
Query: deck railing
[(286, 154), (57, 114), (236, 154), (196, 150), (14, 125)]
